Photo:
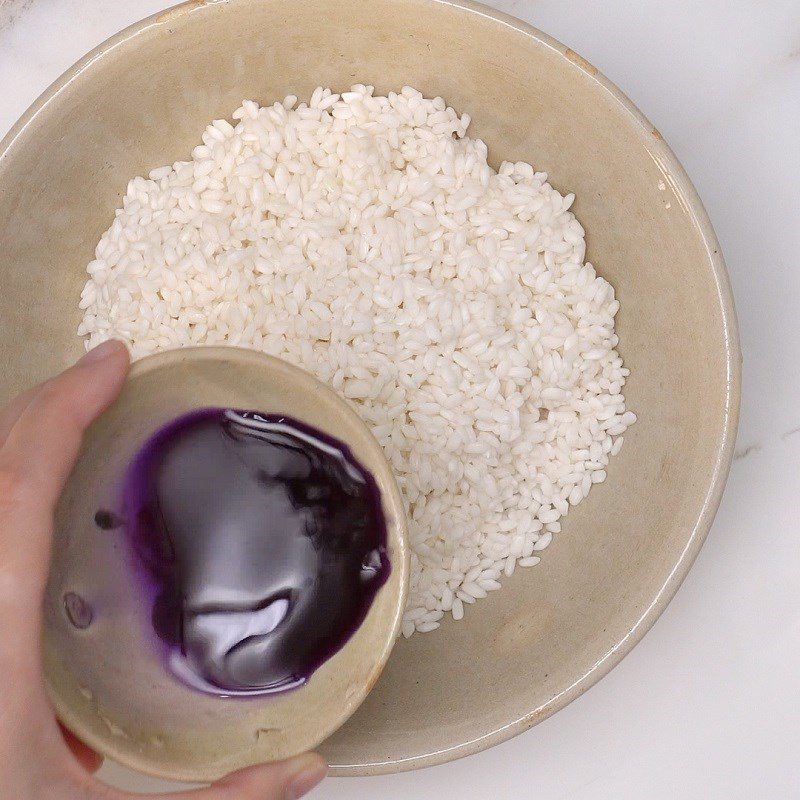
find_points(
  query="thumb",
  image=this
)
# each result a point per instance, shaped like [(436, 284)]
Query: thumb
[(283, 780), (41, 433), (42, 428)]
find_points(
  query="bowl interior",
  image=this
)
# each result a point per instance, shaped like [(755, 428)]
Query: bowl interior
[(108, 680), (553, 630)]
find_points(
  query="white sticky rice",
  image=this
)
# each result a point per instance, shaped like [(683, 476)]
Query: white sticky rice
[(367, 240)]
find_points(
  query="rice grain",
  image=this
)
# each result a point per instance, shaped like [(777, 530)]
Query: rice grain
[(367, 240)]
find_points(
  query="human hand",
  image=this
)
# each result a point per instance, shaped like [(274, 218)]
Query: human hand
[(40, 434)]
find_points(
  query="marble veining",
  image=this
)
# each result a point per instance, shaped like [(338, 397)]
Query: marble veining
[(743, 452), (10, 11)]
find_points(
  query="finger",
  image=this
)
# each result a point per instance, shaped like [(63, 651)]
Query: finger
[(42, 444), (290, 779), (35, 459), (283, 780), (10, 414), (85, 756)]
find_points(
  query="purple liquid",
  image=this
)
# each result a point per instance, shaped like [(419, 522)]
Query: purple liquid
[(263, 543)]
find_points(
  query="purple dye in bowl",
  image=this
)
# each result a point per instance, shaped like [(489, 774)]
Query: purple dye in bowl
[(262, 542)]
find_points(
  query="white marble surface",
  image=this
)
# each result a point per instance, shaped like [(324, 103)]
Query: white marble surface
[(707, 705)]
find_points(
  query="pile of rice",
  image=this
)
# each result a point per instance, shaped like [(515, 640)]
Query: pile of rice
[(367, 240)]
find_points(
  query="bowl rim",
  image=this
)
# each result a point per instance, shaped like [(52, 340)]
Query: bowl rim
[(683, 188)]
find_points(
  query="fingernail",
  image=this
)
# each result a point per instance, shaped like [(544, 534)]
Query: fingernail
[(308, 776), (100, 352)]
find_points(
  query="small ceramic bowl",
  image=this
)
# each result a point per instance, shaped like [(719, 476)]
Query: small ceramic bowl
[(107, 681)]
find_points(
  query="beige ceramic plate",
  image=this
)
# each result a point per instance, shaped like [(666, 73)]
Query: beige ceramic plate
[(108, 681), (142, 99)]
